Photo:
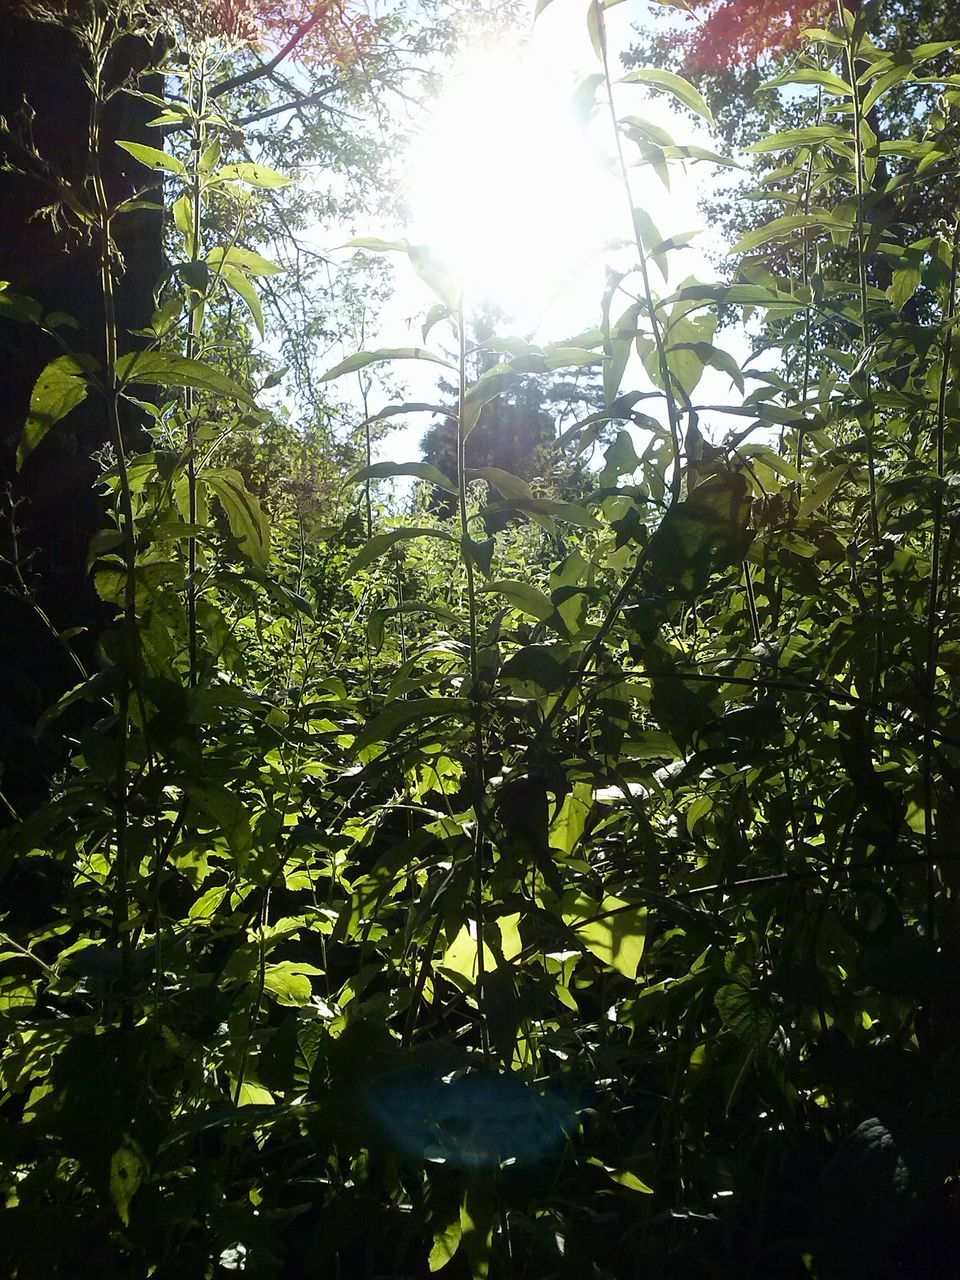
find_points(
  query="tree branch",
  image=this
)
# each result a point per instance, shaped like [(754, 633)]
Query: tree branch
[(295, 105), (264, 68)]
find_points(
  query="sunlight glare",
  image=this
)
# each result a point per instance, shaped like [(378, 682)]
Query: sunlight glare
[(505, 186)]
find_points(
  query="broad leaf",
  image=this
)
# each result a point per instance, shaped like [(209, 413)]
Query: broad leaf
[(61, 387), (166, 369), (247, 520)]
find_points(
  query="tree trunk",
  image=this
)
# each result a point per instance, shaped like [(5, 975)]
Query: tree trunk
[(42, 89)]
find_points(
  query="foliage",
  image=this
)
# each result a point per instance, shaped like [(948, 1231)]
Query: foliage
[(573, 900)]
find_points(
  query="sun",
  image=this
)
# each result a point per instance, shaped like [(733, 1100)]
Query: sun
[(506, 186), (511, 180)]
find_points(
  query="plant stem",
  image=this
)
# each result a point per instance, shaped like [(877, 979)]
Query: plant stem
[(933, 633), (100, 47), (673, 413), (193, 338), (868, 418), (480, 784)]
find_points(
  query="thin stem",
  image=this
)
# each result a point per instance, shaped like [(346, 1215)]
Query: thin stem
[(752, 602), (673, 413), (121, 911), (479, 766), (192, 342), (868, 419), (933, 632)]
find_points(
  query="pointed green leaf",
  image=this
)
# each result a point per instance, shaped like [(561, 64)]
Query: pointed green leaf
[(61, 387), (363, 358), (166, 369), (420, 470), (254, 175), (126, 1174), (247, 520), (523, 596), (381, 543), (245, 260), (617, 940), (244, 289), (376, 245), (823, 489), (398, 715), (681, 89), (510, 486), (154, 158), (815, 135), (822, 79), (435, 274), (446, 1242), (225, 810)]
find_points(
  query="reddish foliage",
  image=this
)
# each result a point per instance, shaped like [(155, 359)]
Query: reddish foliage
[(321, 29), (732, 32), (330, 31)]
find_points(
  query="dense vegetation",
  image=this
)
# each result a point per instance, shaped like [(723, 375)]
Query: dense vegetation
[(557, 879)]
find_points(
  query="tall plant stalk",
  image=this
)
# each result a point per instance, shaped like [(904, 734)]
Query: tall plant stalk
[(629, 585), (868, 419), (933, 601), (480, 785), (198, 95), (100, 43)]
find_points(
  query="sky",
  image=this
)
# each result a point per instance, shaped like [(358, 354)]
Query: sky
[(514, 189)]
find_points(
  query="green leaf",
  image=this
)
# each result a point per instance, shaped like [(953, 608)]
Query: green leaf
[(595, 27), (699, 809), (254, 175), (208, 902), (784, 228), (906, 281), (154, 158), (523, 596), (707, 353), (823, 489), (420, 470), (381, 543), (379, 617), (569, 824), (461, 957), (247, 519), (412, 406), (618, 939), (622, 1176), (681, 89), (126, 1175), (492, 384), (435, 274), (376, 245), (226, 811), (706, 533), (244, 289), (747, 1015), (815, 135), (477, 1217), (822, 79), (446, 1242), (398, 715), (166, 369), (288, 981), (363, 358), (245, 260), (510, 486), (60, 388)]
